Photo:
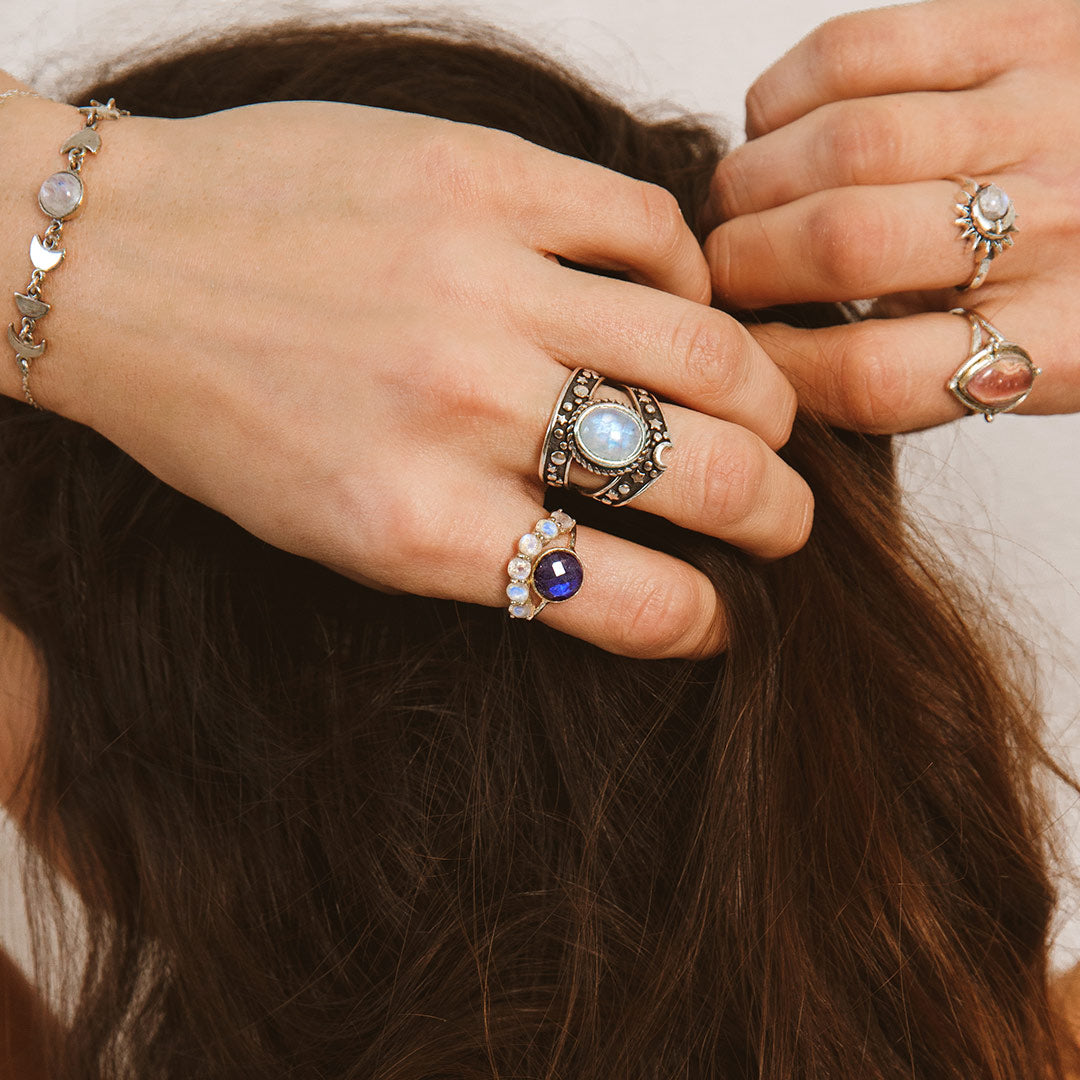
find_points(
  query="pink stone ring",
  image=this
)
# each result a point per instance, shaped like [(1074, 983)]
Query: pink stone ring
[(997, 374)]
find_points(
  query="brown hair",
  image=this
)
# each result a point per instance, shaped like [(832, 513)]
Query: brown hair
[(323, 832)]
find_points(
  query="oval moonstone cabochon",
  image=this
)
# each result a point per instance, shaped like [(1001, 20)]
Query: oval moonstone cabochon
[(60, 195), (609, 435), (1003, 382), (558, 575)]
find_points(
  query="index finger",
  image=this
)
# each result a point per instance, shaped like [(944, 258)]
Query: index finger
[(597, 217), (938, 45)]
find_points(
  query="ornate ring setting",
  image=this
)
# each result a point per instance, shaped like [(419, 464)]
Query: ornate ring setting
[(622, 443), (546, 569), (988, 219), (997, 374)]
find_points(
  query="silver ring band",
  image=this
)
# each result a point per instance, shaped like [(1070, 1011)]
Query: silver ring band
[(622, 442)]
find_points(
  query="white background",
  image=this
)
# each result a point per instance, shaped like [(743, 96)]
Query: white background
[(1007, 492)]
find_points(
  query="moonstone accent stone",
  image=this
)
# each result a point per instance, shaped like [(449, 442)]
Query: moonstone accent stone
[(993, 202), (517, 593), (547, 529), (558, 575), (519, 569), (1001, 383), (530, 544), (60, 195), (609, 435), (562, 519), (521, 611)]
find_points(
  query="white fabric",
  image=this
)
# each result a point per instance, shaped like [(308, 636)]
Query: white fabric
[(1002, 496)]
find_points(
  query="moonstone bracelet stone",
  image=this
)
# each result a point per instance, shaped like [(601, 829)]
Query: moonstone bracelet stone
[(60, 198)]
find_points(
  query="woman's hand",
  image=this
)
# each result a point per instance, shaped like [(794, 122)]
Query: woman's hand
[(345, 328), (839, 194)]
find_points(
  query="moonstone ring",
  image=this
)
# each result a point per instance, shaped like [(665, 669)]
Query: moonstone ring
[(988, 219), (546, 569), (997, 374), (622, 442)]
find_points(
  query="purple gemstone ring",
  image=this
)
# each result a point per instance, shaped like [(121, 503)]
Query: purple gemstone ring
[(997, 374), (546, 569)]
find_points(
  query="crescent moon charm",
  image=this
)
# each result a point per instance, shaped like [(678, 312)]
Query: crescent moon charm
[(31, 307), (86, 139), (43, 258), (25, 350)]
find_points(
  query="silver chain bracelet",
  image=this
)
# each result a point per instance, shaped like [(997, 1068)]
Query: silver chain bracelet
[(59, 197)]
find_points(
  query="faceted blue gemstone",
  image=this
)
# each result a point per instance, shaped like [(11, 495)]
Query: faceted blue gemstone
[(558, 575)]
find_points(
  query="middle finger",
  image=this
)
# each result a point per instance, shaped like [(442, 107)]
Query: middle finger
[(864, 242), (721, 478)]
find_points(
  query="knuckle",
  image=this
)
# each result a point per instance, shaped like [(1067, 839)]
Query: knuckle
[(453, 170), (729, 186), (847, 240), (875, 383), (418, 534), (470, 168), (1057, 25), (662, 616), (447, 381), (860, 142), (759, 110), (730, 476), (663, 225), (785, 408), (718, 254), (842, 52), (703, 345), (804, 514)]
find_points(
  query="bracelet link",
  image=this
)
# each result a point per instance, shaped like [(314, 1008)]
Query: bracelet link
[(60, 198)]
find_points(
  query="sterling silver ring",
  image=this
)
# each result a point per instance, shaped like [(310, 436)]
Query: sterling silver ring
[(546, 569), (623, 442), (988, 219), (997, 374)]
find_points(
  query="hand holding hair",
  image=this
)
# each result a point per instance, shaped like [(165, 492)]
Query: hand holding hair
[(345, 328), (901, 154)]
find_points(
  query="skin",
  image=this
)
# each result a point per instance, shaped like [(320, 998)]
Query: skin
[(345, 328), (229, 390), (839, 194)]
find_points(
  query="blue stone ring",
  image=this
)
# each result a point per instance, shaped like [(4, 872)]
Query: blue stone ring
[(622, 442), (545, 569)]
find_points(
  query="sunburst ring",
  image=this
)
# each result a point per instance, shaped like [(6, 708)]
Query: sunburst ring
[(986, 219)]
